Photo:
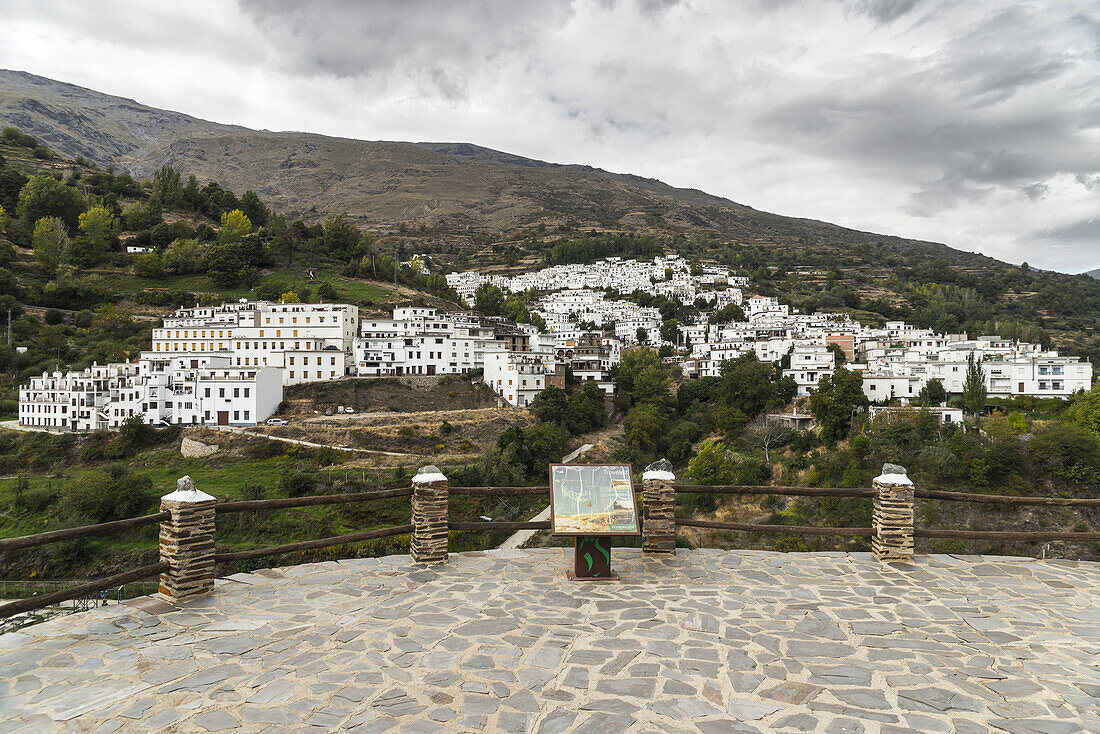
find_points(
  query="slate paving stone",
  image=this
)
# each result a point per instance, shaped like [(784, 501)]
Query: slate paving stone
[(697, 641), (215, 721)]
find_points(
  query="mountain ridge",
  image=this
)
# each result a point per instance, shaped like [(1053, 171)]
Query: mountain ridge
[(456, 188)]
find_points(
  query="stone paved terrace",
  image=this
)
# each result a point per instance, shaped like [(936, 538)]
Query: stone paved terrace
[(710, 641)]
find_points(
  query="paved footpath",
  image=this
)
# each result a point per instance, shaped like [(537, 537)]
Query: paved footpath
[(703, 641)]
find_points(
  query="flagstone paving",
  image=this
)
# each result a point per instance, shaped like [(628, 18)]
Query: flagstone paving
[(704, 641)]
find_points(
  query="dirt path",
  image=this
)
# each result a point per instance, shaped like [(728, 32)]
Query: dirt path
[(311, 444)]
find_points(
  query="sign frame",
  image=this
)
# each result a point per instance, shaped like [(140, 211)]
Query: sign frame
[(590, 533)]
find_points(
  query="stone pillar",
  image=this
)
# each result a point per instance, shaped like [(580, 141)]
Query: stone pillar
[(429, 516), (187, 542), (892, 538), (658, 508)]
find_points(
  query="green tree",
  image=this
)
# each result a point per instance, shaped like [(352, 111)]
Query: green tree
[(51, 244), (932, 394), (586, 411), (726, 314), (644, 426), (836, 400), (184, 256), (974, 391), (341, 237), (45, 196), (713, 464), (235, 226), (148, 265), (641, 335), (550, 405), (254, 209), (236, 263), (839, 357), (137, 217), (745, 384), (489, 300), (114, 493), (1084, 411), (632, 364), (166, 189), (651, 385), (11, 183), (93, 243), (670, 331)]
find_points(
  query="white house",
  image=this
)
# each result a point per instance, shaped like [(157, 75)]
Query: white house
[(308, 342)]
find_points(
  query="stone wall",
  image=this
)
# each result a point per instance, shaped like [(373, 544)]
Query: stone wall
[(192, 449)]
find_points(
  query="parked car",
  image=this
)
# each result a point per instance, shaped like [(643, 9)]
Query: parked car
[(277, 421), (349, 409), (328, 411)]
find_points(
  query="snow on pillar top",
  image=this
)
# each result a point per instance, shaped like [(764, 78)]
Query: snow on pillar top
[(427, 474), (660, 470), (894, 474)]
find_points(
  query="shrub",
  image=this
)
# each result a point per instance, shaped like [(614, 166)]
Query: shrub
[(36, 500), (53, 316), (252, 490), (113, 493), (296, 484), (949, 545), (445, 427)]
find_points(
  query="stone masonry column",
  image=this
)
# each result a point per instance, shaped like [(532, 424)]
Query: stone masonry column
[(187, 542), (429, 516), (892, 538), (658, 508)]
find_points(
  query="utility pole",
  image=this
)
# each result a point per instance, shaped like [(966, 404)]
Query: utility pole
[(395, 266)]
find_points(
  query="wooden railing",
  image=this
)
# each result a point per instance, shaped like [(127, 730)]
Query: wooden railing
[(109, 582), (428, 528)]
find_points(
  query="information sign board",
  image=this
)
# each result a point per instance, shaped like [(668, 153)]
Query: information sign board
[(592, 499)]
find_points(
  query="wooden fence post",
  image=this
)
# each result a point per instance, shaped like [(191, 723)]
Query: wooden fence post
[(658, 508), (429, 516), (187, 542), (893, 516)]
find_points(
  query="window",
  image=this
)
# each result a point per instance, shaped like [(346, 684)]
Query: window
[(221, 392), (207, 392)]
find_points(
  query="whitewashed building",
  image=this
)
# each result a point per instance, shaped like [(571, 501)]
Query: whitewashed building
[(161, 390), (308, 342)]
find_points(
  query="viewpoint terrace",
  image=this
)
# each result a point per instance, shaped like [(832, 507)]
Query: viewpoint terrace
[(696, 641)]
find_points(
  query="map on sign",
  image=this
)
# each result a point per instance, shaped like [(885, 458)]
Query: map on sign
[(592, 499)]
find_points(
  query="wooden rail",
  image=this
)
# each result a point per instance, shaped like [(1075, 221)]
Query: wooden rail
[(1004, 499), (784, 529), (311, 500), (84, 531), (44, 600), (785, 491), (312, 544), (499, 491), (495, 525), (1036, 536)]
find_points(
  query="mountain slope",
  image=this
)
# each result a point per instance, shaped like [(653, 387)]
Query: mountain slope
[(1094, 273), (452, 187)]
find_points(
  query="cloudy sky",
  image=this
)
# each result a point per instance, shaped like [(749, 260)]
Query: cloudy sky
[(976, 124)]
